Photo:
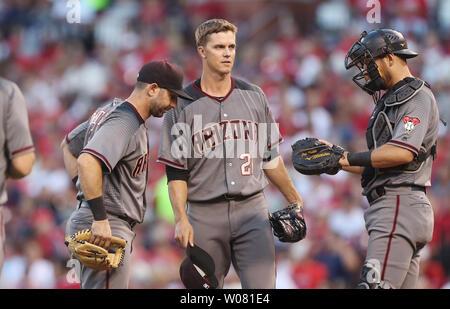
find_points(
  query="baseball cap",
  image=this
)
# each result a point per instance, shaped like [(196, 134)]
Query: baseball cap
[(197, 269), (166, 75)]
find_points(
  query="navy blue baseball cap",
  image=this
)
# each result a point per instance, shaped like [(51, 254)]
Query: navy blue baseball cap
[(166, 75), (197, 269)]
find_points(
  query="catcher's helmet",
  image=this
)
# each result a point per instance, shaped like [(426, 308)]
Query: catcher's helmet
[(372, 45)]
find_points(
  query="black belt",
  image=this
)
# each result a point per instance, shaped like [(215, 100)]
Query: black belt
[(228, 197), (130, 221), (380, 191)]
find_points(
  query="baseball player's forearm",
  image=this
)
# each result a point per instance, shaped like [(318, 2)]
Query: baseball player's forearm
[(178, 198), (184, 232), (91, 176), (389, 156), (70, 161), (353, 169), (280, 178), (91, 181), (21, 166), (382, 157)]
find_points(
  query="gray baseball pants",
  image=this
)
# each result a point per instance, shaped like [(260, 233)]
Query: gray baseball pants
[(237, 232), (399, 223), (89, 278)]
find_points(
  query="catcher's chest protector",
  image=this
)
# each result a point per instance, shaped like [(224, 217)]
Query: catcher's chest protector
[(382, 123)]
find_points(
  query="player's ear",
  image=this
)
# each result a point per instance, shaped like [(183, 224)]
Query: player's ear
[(390, 59), (201, 51), (152, 89)]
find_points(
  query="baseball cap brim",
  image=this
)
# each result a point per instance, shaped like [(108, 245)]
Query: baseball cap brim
[(182, 94), (197, 269), (406, 53), (193, 279)]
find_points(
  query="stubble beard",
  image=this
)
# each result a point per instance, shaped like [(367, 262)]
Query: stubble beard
[(220, 69)]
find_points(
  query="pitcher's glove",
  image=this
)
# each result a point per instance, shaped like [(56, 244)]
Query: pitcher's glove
[(94, 256), (312, 157), (288, 224)]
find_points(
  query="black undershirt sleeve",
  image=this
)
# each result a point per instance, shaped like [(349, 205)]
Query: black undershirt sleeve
[(176, 174)]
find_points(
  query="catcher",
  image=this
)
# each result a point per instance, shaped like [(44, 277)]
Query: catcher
[(109, 155), (396, 170)]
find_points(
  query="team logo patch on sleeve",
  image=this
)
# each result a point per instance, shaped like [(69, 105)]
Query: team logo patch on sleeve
[(410, 123)]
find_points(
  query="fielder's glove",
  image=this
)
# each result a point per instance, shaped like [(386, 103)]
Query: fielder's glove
[(94, 256), (288, 224), (312, 157)]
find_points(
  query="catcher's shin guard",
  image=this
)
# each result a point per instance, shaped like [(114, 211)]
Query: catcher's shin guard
[(371, 276)]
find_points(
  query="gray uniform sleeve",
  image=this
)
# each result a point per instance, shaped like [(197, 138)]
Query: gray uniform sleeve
[(18, 136), (75, 138), (174, 145), (110, 142), (411, 123), (274, 137)]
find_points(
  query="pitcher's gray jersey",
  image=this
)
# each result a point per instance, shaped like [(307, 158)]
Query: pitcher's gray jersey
[(15, 136), (222, 142), (117, 136), (414, 126)]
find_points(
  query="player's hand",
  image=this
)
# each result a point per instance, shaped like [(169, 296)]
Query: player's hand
[(184, 233), (344, 161), (299, 202), (326, 143), (101, 233)]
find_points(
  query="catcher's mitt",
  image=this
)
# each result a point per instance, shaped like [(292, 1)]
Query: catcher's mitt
[(312, 157), (288, 224), (94, 256)]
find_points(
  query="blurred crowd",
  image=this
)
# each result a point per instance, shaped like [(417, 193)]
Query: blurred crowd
[(294, 50)]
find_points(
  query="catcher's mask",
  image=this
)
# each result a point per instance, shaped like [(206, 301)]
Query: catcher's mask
[(370, 46), (197, 269)]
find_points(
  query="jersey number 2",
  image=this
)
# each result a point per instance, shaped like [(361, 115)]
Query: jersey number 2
[(247, 166)]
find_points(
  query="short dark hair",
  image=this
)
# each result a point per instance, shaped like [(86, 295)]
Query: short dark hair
[(140, 85)]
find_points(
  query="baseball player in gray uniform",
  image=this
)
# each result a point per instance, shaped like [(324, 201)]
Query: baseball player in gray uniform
[(401, 138), (112, 166), (219, 150), (17, 156)]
